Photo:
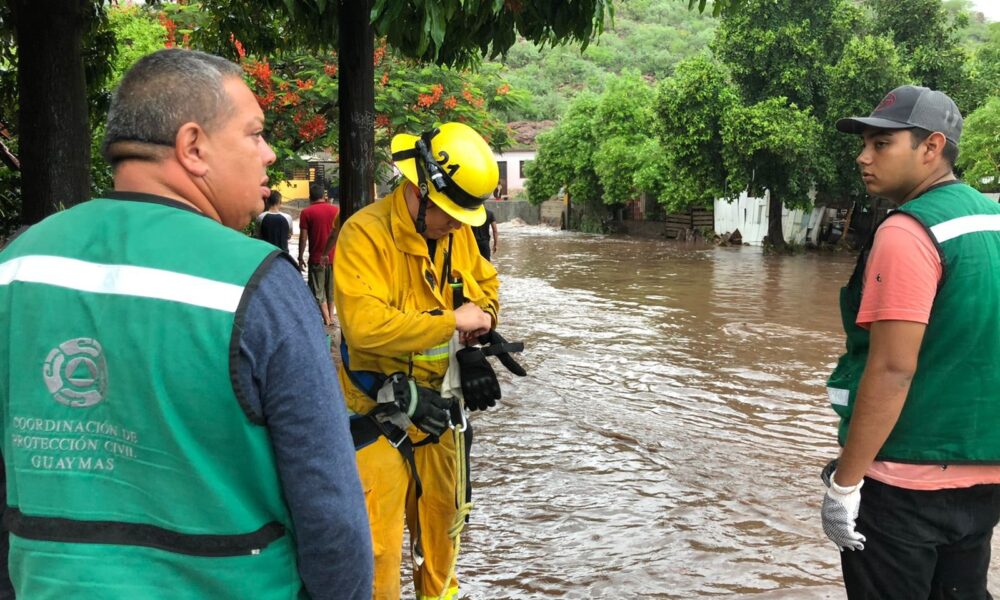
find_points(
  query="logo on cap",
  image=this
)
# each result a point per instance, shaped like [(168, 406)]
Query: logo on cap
[(886, 102), (76, 373)]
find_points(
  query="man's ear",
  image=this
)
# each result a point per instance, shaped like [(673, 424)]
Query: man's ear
[(189, 149), (934, 145)]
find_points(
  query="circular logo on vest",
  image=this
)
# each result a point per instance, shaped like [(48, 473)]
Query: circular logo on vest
[(76, 373)]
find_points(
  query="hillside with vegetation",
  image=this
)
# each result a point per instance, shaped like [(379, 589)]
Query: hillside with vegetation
[(650, 37), (647, 36), (753, 109)]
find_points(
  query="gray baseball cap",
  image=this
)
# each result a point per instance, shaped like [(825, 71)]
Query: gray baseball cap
[(911, 106)]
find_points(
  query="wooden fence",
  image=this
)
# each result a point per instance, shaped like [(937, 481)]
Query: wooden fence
[(682, 225)]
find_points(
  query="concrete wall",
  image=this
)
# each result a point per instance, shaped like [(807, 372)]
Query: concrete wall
[(508, 210), (551, 212), (645, 229)]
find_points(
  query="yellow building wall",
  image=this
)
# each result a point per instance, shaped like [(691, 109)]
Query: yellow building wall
[(293, 189)]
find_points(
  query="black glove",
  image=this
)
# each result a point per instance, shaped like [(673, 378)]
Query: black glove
[(425, 408), (480, 387), (495, 345)]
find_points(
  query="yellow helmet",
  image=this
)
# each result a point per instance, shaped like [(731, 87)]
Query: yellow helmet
[(453, 165)]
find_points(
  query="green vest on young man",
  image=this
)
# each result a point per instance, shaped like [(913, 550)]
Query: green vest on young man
[(953, 406), (134, 470)]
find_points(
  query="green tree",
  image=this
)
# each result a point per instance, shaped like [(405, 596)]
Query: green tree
[(926, 34), (773, 146), (622, 123), (565, 160), (869, 67), (982, 72), (780, 47), (979, 156), (777, 52), (690, 107)]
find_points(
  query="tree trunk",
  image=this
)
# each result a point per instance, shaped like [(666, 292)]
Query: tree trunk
[(847, 225), (775, 235), (357, 106), (54, 132)]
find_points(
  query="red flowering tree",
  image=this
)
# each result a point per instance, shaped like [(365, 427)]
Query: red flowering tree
[(298, 92)]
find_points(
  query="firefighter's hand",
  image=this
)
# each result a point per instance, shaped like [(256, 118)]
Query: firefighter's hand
[(471, 322)]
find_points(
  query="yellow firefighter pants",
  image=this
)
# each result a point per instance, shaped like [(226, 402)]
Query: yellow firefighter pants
[(390, 496)]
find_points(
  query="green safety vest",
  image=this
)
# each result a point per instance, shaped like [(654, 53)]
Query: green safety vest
[(952, 410), (134, 470)]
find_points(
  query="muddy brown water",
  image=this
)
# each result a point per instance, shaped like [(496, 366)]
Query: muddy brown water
[(669, 438)]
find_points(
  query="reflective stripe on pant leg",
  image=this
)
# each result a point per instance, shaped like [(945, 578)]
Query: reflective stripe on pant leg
[(385, 479), (436, 464)]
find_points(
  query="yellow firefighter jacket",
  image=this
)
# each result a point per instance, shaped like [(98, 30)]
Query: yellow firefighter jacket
[(394, 302)]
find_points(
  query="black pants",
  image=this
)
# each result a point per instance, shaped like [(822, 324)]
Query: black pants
[(922, 544)]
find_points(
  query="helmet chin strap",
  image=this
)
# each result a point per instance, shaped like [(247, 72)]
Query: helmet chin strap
[(424, 200)]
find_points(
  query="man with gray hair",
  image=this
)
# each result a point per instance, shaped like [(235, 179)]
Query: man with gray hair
[(917, 389), (171, 421)]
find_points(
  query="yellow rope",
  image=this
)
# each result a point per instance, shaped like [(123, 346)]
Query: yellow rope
[(464, 507)]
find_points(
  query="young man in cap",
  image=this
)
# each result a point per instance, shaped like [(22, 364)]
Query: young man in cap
[(409, 276), (917, 390)]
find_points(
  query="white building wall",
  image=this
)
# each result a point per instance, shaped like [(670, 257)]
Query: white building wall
[(513, 158), (750, 216)]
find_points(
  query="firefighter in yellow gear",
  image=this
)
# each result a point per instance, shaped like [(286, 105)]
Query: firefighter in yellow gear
[(409, 276)]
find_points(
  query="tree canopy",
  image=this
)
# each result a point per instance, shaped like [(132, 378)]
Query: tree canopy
[(979, 155), (690, 107)]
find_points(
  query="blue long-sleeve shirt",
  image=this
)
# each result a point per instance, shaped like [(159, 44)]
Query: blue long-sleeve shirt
[(286, 372)]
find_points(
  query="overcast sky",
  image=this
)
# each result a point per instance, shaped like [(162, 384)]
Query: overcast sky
[(990, 8)]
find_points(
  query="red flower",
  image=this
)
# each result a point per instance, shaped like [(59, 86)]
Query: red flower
[(503, 90), (308, 84), (378, 55), (382, 121), (239, 46), (171, 28), (425, 100), (313, 128), (451, 102), (266, 100), (260, 71), (385, 78), (330, 69)]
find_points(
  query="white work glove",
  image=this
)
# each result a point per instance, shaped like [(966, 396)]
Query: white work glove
[(840, 510)]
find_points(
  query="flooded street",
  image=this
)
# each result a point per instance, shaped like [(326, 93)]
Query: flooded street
[(669, 438)]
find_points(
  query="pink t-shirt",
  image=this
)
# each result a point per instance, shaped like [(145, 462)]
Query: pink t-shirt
[(901, 280)]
